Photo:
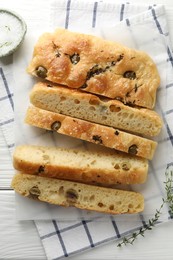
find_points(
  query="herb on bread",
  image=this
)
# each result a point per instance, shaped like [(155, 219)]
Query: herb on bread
[(97, 139)]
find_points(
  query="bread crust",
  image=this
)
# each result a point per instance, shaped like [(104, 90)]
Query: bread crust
[(91, 132), (125, 169), (97, 66), (92, 108), (78, 195)]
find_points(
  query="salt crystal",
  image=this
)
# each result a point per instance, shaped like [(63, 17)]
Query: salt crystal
[(12, 31)]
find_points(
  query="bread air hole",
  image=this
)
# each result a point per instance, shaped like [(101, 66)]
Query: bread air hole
[(94, 102), (130, 206), (71, 195), (45, 157), (117, 166), (92, 198), (92, 108), (24, 193), (126, 166), (131, 116), (111, 207), (85, 198), (61, 190), (76, 101), (104, 99), (100, 204), (114, 108), (125, 115), (62, 98), (139, 206)]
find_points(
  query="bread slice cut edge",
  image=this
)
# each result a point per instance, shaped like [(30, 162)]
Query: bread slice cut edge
[(82, 196)]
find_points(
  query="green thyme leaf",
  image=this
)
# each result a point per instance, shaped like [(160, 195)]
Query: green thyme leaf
[(151, 222)]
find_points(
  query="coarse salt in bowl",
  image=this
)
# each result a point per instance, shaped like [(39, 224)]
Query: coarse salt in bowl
[(12, 32)]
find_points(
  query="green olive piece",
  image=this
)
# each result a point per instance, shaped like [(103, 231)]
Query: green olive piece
[(34, 192), (41, 72), (133, 149), (75, 58), (129, 74), (55, 125)]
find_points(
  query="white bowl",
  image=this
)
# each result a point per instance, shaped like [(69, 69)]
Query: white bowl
[(12, 32)]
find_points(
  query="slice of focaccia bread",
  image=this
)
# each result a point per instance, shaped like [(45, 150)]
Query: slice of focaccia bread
[(83, 196), (97, 66), (83, 166), (91, 132), (92, 108)]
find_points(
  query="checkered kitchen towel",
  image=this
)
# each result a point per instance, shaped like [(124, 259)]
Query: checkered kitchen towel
[(61, 239)]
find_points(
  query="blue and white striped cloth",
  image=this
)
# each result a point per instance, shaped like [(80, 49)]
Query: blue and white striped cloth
[(62, 239)]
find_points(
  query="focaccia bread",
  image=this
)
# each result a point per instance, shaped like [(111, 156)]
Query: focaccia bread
[(83, 196), (107, 168), (92, 108), (97, 66), (91, 132)]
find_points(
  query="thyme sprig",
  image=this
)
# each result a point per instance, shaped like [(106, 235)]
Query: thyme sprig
[(153, 221), (169, 190)]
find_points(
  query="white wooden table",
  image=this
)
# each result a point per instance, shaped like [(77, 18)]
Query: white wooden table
[(19, 240)]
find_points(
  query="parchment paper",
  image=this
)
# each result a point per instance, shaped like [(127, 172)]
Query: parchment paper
[(137, 37)]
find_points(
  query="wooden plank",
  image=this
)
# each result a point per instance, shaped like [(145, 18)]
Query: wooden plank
[(6, 168), (19, 239)]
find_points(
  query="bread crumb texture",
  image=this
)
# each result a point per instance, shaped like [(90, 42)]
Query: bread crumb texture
[(83, 166), (83, 196)]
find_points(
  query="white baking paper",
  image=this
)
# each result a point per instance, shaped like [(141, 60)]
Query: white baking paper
[(136, 36)]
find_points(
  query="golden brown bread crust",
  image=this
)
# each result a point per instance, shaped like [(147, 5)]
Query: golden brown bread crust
[(95, 133), (75, 103), (97, 66), (66, 193)]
